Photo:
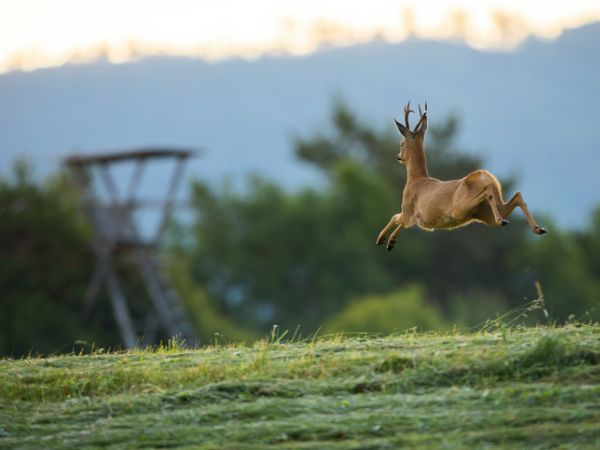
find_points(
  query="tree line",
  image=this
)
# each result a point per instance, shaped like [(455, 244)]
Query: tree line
[(265, 255)]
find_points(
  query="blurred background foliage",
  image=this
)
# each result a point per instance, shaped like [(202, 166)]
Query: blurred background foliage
[(262, 255), (388, 313), (45, 265)]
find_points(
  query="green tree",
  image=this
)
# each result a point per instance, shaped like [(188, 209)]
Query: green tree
[(211, 325), (567, 265), (589, 241), (270, 255), (45, 265)]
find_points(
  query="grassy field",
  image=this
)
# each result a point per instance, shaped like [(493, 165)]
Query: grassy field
[(527, 388)]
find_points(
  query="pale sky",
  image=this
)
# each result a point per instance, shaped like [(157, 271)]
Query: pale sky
[(45, 33)]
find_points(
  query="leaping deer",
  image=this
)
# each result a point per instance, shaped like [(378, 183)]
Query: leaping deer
[(432, 204)]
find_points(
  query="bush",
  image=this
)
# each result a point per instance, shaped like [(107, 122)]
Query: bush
[(388, 313)]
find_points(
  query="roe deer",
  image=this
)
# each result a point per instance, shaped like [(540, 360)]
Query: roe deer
[(432, 204)]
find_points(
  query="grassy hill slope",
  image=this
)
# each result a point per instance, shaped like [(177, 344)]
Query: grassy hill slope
[(529, 388)]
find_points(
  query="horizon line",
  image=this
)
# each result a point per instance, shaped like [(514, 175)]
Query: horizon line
[(135, 51)]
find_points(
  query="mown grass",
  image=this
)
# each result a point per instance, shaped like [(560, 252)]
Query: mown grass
[(528, 388)]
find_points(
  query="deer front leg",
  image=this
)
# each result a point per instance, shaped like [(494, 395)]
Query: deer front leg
[(517, 200), (392, 239), (395, 220)]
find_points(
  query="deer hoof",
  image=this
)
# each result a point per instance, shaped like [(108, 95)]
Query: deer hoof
[(380, 240), (503, 222), (540, 230), (390, 246)]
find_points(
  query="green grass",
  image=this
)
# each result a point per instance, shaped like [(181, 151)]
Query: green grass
[(524, 388)]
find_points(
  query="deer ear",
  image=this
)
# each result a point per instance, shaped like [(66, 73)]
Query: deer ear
[(401, 128)]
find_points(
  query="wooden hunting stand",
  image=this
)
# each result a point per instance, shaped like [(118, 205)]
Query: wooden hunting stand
[(116, 234)]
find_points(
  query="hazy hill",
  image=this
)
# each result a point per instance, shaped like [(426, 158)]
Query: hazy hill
[(531, 112)]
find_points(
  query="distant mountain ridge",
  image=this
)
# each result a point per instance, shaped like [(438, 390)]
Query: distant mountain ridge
[(531, 112)]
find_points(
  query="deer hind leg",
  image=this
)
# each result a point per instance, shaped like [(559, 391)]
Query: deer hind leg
[(395, 220), (491, 198), (482, 206), (490, 207), (517, 200)]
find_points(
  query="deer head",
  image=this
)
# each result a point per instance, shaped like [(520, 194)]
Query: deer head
[(413, 140)]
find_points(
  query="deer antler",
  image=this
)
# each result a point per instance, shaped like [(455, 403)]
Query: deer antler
[(407, 111), (422, 119)]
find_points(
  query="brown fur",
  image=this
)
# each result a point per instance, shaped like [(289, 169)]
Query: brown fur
[(432, 204)]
